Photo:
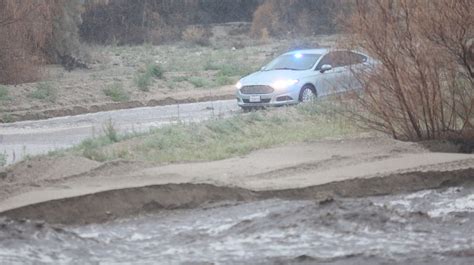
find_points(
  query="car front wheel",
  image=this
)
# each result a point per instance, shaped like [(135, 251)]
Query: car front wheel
[(307, 94), (247, 109)]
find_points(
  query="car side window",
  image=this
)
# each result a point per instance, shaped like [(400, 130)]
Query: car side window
[(327, 59), (355, 58), (341, 59), (346, 58)]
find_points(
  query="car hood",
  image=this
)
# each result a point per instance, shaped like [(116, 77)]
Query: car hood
[(268, 77)]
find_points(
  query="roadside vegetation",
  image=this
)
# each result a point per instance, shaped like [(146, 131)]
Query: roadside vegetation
[(44, 91), (116, 92), (218, 138), (145, 77), (4, 93), (3, 159)]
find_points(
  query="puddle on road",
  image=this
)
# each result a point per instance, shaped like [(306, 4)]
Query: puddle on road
[(427, 227)]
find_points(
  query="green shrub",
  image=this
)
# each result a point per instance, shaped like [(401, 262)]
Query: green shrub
[(198, 81), (179, 79), (110, 131), (116, 92), (234, 70), (211, 66), (3, 93), (144, 79), (44, 91), (224, 80), (91, 150), (7, 117), (155, 70), (3, 159)]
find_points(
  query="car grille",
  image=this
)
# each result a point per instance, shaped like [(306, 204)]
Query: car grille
[(261, 101), (249, 90)]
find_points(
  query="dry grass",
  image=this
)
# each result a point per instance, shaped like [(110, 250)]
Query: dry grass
[(221, 138)]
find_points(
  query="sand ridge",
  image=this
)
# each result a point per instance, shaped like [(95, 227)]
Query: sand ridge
[(293, 167)]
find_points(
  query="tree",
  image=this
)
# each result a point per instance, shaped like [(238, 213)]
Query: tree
[(33, 33), (423, 86)]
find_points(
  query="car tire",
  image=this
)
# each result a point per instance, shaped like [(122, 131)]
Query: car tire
[(307, 93), (246, 109)]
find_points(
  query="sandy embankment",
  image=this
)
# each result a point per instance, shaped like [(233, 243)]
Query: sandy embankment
[(72, 190)]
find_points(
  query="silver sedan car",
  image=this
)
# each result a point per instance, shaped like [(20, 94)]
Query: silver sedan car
[(300, 76)]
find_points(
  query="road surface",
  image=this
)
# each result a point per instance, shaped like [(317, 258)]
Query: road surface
[(27, 138)]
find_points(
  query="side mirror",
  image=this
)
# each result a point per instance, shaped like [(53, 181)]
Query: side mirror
[(326, 67)]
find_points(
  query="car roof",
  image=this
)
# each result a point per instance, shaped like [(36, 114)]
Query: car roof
[(309, 51)]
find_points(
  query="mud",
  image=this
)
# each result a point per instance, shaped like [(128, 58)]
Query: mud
[(426, 227)]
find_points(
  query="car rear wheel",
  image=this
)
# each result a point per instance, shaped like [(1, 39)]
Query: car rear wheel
[(307, 94)]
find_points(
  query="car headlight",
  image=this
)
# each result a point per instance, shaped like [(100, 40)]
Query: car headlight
[(238, 85), (281, 84)]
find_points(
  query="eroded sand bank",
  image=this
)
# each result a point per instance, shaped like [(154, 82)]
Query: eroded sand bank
[(57, 191)]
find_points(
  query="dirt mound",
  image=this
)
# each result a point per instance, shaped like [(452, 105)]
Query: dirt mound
[(128, 202), (110, 205), (38, 171), (78, 190)]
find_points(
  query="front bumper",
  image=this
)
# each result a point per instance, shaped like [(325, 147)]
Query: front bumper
[(273, 99)]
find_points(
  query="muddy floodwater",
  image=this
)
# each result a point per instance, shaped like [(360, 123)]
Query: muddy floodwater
[(427, 227)]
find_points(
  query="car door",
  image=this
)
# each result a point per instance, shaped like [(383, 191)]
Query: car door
[(352, 63), (327, 81), (342, 77)]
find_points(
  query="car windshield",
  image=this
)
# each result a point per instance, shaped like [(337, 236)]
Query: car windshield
[(295, 61)]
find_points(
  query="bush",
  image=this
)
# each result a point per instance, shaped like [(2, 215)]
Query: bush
[(34, 33), (3, 159), (116, 92), (110, 131), (423, 87), (19, 46), (197, 35), (91, 150), (231, 70), (65, 40), (4, 93), (197, 82), (144, 79), (225, 80), (155, 70), (44, 91)]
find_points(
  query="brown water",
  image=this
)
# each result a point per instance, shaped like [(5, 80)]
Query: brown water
[(427, 227)]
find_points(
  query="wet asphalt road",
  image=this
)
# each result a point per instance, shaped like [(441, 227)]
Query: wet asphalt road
[(20, 139)]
